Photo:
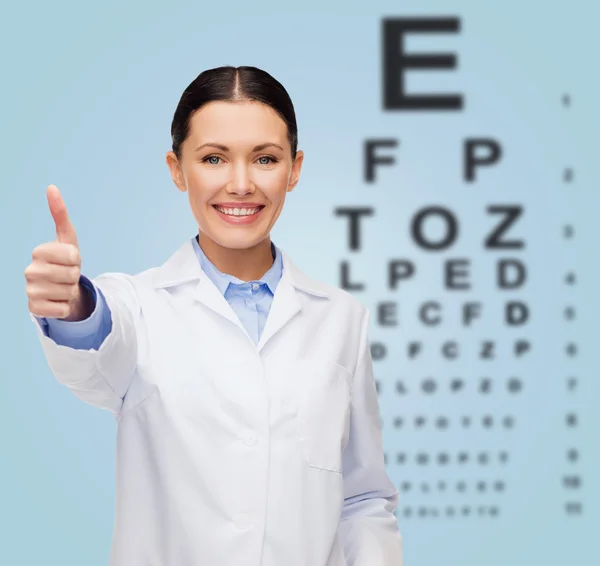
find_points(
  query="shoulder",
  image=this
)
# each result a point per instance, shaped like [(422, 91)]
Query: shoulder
[(182, 266), (145, 277), (126, 286), (340, 300), (344, 298)]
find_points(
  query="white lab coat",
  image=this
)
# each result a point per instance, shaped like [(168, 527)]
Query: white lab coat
[(231, 453)]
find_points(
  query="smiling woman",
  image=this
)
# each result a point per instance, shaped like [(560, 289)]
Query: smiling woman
[(249, 429), (235, 153)]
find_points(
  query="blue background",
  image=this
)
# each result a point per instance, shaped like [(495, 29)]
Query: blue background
[(87, 100)]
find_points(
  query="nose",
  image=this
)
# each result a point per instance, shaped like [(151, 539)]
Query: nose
[(240, 183)]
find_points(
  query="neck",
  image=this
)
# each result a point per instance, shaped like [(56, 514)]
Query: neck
[(246, 264)]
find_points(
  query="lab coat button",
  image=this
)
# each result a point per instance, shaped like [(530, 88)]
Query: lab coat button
[(242, 522), (250, 439)]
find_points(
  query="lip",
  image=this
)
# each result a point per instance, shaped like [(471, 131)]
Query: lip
[(237, 220), (238, 204)]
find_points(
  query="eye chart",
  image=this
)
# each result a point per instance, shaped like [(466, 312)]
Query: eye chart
[(472, 249)]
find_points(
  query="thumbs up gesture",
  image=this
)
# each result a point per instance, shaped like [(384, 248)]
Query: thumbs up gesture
[(52, 278)]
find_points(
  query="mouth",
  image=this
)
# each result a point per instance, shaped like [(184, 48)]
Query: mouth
[(239, 215)]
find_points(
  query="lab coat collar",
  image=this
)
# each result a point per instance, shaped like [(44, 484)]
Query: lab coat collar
[(183, 266)]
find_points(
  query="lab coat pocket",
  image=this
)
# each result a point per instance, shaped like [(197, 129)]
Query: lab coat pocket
[(324, 414)]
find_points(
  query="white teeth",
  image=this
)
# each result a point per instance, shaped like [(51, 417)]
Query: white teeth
[(238, 211)]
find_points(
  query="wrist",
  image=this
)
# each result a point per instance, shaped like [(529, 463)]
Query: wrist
[(82, 306)]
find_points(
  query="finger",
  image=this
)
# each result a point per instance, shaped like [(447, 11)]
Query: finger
[(55, 252), (65, 232), (53, 273), (51, 291), (49, 309)]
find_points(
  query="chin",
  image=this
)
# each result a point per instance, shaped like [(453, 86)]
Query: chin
[(239, 241)]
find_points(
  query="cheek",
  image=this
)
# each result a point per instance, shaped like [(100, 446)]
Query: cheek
[(273, 184), (203, 184)]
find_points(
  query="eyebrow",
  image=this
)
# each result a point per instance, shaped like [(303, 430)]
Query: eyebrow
[(259, 147)]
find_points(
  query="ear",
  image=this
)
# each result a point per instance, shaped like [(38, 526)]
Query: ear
[(176, 172), (296, 168)]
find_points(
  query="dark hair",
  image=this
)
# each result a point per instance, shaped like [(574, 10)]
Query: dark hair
[(230, 84)]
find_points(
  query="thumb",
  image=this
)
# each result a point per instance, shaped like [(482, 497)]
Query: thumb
[(65, 232)]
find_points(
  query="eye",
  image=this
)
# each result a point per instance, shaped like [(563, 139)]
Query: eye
[(209, 157), (270, 158)]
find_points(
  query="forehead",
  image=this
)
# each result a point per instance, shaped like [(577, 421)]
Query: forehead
[(221, 121)]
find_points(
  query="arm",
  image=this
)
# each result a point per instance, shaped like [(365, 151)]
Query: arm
[(101, 376), (368, 528)]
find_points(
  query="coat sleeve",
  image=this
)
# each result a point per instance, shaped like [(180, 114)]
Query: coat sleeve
[(101, 377), (368, 528)]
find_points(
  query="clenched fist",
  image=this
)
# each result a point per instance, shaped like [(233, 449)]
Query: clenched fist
[(52, 278)]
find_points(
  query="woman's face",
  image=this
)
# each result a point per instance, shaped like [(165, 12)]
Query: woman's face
[(237, 168)]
